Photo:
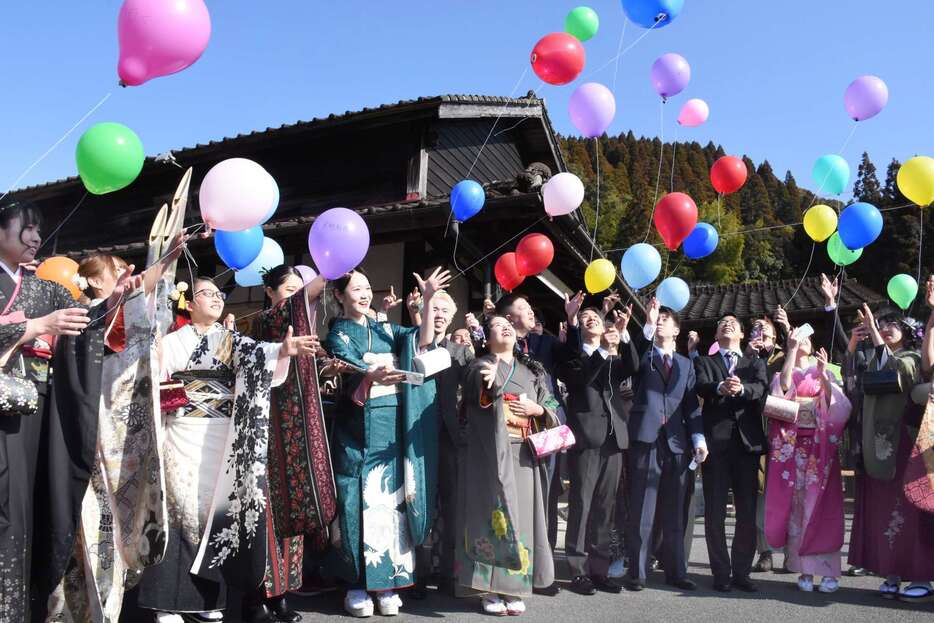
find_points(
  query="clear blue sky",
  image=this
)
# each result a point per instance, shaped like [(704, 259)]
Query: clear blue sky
[(773, 72)]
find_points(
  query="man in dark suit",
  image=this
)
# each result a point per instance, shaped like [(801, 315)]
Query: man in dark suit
[(665, 433), (597, 416), (732, 386)]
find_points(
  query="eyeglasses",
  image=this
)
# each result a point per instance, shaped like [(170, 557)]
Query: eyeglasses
[(727, 322), (217, 294)]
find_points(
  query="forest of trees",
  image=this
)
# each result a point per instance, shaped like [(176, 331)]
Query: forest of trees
[(629, 169)]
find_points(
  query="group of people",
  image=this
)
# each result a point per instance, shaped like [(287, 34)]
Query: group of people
[(147, 445)]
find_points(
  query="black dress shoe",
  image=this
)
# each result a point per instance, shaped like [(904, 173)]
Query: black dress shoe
[(683, 583), (259, 614), (582, 585), (606, 585), (856, 572), (281, 611), (633, 584), (764, 564), (548, 591), (745, 585), (417, 592), (722, 587)]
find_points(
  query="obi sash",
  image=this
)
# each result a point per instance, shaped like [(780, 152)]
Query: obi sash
[(210, 393)]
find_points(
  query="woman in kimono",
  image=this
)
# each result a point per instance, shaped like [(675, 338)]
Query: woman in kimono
[(385, 450), (301, 499), (504, 552), (215, 454), (804, 491), (890, 537)]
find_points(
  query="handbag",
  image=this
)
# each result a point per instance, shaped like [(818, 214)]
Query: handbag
[(18, 396), (172, 395), (551, 441), (885, 381), (781, 409), (918, 480)]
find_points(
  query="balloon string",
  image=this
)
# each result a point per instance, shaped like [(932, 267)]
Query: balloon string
[(55, 144), (816, 194), (661, 156), (719, 228), (493, 252), (221, 274), (847, 141), (628, 47), (674, 150), (51, 236), (839, 278), (457, 237), (920, 241), (803, 277), (619, 50), (593, 240)]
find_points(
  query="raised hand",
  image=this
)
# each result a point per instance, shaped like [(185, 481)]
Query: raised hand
[(929, 292), (610, 301), (693, 341), (611, 339), (230, 322), (414, 301), (471, 322), (621, 318), (563, 332), (391, 301), (869, 321), (821, 356), (298, 346), (488, 372), (781, 318), (176, 247), (489, 308), (651, 312), (127, 282), (572, 305), (829, 289), (436, 281)]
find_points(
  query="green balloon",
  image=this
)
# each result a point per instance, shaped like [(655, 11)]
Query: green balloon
[(582, 22), (839, 254), (902, 290), (109, 157)]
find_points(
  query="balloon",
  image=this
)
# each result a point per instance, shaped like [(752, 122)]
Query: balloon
[(338, 241), (820, 222), (270, 256), (902, 290), (558, 58), (670, 74), (236, 195), (109, 157), (507, 275), (534, 254), (728, 174), (592, 108), (640, 265), (694, 113), (860, 224), (599, 275), (831, 173), (160, 37), (702, 242), (238, 248), (652, 13), (467, 198), (275, 200), (675, 218), (865, 97), (308, 273), (563, 194), (582, 22), (839, 254), (916, 180), (674, 293), (61, 270)]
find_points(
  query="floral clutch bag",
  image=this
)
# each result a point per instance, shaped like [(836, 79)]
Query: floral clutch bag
[(18, 396), (551, 441)]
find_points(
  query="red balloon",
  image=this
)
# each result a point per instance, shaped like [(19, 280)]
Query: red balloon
[(728, 174), (675, 218), (506, 272), (558, 58), (534, 254)]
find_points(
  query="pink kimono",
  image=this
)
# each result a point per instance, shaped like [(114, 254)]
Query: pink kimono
[(804, 492)]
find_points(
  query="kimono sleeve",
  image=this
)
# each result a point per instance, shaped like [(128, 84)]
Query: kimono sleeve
[(10, 333), (340, 346), (399, 336), (547, 401), (475, 392), (907, 364)]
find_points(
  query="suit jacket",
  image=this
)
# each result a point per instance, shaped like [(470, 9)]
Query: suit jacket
[(659, 404), (733, 420), (595, 405), (550, 352), (448, 385)]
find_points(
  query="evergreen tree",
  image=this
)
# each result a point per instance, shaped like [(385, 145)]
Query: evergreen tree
[(867, 186)]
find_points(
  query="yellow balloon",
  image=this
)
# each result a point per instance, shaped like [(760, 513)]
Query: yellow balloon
[(599, 276), (916, 180), (820, 222)]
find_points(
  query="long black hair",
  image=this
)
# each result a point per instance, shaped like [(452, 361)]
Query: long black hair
[(912, 330), (522, 357), (340, 284), (276, 277), (27, 212)]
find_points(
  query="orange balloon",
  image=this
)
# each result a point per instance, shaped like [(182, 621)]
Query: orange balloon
[(61, 270)]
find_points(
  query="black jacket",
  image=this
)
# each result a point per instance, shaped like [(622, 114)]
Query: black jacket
[(732, 420)]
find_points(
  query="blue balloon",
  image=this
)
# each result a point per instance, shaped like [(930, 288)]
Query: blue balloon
[(467, 199), (674, 293), (646, 13), (860, 224), (269, 257), (831, 174), (238, 248), (640, 265), (702, 241)]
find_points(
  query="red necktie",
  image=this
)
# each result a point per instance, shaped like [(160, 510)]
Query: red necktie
[(666, 364)]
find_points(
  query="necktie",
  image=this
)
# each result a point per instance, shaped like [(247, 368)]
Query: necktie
[(730, 358), (666, 365), (523, 344)]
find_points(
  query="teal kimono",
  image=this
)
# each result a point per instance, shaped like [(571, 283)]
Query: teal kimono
[(385, 458)]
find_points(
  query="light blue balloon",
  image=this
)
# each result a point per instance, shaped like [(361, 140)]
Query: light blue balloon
[(702, 242), (640, 265), (859, 225), (830, 174), (674, 293), (269, 257)]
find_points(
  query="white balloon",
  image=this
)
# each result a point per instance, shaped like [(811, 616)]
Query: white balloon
[(563, 194)]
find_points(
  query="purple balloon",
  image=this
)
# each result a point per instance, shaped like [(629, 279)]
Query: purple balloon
[(338, 242), (865, 97), (592, 108), (307, 272), (670, 74)]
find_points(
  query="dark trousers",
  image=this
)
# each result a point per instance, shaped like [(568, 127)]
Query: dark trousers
[(591, 500), (553, 488), (690, 514), (443, 538), (739, 470), (657, 477)]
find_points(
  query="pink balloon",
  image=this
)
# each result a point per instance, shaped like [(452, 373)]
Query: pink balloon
[(307, 272), (160, 37), (592, 108), (694, 113), (563, 194), (236, 195)]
